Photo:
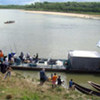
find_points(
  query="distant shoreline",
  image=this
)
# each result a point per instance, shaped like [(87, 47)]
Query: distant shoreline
[(66, 14)]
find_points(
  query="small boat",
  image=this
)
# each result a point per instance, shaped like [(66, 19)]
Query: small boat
[(9, 22), (86, 90), (95, 85)]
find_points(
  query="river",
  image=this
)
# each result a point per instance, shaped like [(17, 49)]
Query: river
[(51, 36)]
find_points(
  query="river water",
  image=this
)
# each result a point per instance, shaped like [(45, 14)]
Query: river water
[(49, 35)]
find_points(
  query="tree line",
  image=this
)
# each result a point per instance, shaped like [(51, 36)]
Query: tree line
[(76, 7)]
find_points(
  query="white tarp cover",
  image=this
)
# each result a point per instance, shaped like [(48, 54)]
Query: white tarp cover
[(84, 60), (78, 53)]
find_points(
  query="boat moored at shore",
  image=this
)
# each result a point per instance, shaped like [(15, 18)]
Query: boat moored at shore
[(95, 85), (86, 90), (78, 61)]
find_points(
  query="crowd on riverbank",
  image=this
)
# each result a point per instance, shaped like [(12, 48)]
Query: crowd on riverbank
[(26, 87), (7, 60), (54, 79)]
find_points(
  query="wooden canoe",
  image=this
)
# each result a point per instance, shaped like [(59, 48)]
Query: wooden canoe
[(86, 90), (95, 85)]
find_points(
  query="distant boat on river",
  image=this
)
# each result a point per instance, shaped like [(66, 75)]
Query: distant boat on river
[(9, 22)]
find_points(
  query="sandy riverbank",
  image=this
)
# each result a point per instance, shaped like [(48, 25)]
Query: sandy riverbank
[(66, 14)]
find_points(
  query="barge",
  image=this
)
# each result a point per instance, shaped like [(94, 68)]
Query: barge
[(78, 61)]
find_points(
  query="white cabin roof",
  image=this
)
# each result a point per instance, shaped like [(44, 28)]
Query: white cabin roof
[(79, 53)]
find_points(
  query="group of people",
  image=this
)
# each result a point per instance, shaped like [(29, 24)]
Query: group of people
[(28, 58), (6, 61), (56, 80), (12, 58)]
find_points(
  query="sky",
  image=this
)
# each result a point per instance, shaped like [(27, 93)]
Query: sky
[(23, 2)]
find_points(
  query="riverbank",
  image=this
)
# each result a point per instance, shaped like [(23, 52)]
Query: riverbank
[(18, 87), (65, 14)]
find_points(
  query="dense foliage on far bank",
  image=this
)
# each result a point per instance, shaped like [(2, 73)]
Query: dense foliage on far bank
[(76, 7)]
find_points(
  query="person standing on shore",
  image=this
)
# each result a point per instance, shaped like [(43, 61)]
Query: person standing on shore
[(8, 73), (3, 67), (59, 81), (71, 84), (54, 79), (42, 76)]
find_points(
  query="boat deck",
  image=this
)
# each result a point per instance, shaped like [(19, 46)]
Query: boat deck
[(54, 66), (39, 66)]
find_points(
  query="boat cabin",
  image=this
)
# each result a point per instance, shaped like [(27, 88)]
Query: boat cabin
[(84, 60)]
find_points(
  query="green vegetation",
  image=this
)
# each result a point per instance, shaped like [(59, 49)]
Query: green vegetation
[(74, 7), (18, 87)]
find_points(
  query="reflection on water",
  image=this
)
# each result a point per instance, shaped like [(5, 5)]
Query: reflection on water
[(81, 79)]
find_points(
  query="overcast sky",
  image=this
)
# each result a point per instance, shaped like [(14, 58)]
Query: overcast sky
[(22, 2)]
